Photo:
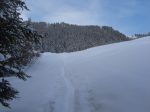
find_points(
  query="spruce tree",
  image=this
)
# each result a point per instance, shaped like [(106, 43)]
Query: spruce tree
[(16, 46)]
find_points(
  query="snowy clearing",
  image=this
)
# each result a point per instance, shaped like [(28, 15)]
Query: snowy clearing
[(109, 78)]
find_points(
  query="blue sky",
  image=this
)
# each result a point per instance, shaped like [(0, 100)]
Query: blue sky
[(127, 16)]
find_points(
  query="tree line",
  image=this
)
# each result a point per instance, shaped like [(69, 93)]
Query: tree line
[(142, 35), (63, 37)]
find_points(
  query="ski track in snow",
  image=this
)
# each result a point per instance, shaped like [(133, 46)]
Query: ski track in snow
[(70, 95)]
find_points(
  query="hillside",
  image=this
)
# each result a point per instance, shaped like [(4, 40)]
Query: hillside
[(62, 37), (109, 78)]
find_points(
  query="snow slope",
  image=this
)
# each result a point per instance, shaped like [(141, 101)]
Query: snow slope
[(109, 78)]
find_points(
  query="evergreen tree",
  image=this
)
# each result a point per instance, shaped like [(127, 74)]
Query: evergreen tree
[(63, 37), (16, 49)]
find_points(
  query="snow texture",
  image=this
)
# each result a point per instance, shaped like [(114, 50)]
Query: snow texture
[(109, 78)]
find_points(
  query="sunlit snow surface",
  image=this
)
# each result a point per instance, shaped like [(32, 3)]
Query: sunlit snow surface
[(109, 78)]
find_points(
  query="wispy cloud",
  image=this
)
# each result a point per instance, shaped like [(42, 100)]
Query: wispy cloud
[(120, 14), (66, 11)]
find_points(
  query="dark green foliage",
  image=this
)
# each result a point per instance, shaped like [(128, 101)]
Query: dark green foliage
[(16, 48), (62, 37), (7, 92)]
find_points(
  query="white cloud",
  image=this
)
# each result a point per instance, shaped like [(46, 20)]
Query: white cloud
[(116, 13), (62, 11), (24, 16), (71, 16)]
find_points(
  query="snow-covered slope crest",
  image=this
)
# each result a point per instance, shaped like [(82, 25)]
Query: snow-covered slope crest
[(110, 78)]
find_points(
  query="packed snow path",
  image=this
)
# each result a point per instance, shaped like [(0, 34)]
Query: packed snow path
[(110, 78), (47, 91)]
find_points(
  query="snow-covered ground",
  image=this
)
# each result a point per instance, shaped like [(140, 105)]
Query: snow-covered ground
[(109, 78)]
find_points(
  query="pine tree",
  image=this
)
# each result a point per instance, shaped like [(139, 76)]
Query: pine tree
[(16, 50)]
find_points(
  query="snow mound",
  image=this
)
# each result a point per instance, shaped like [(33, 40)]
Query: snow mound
[(109, 78)]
